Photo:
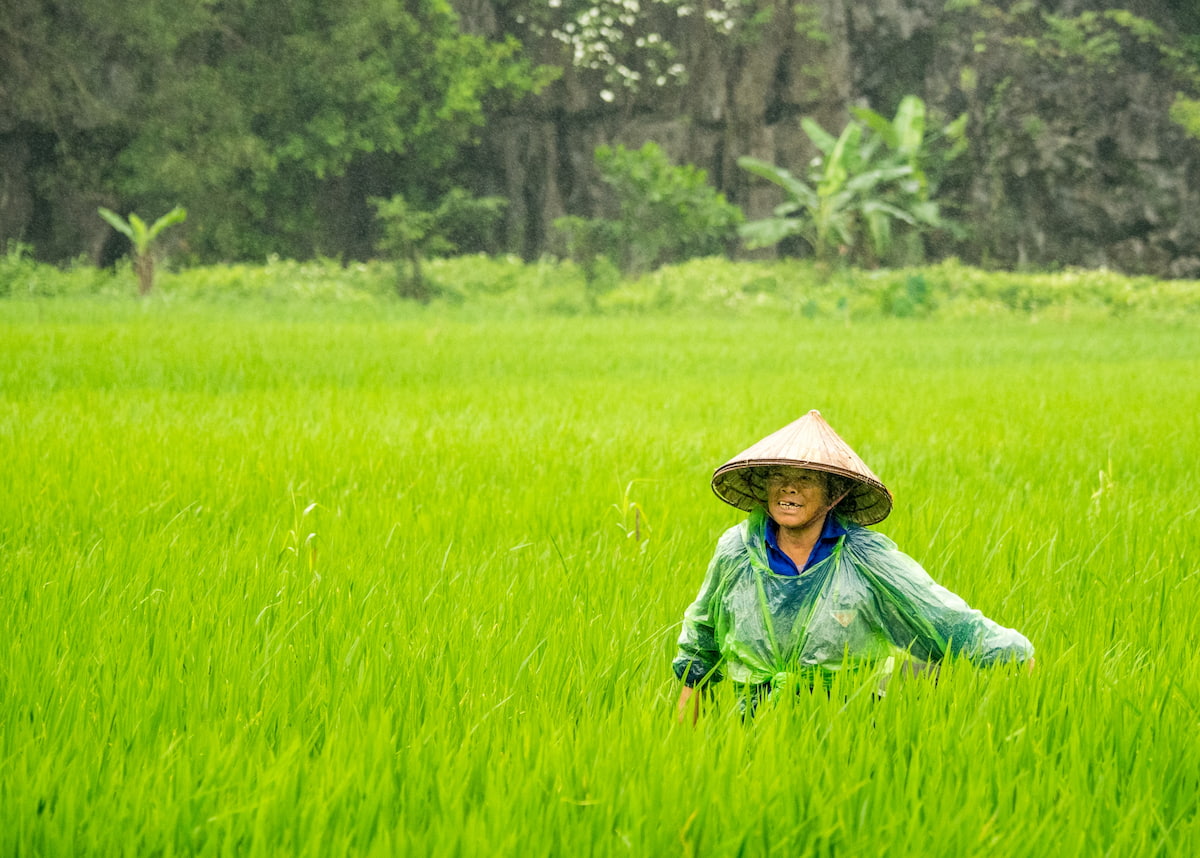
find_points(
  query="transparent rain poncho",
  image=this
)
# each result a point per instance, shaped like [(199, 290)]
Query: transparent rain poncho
[(854, 611)]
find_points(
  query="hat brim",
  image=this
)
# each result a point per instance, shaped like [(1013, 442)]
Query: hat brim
[(742, 484)]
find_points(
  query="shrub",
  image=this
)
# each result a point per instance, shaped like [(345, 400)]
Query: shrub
[(411, 234), (16, 268), (663, 214)]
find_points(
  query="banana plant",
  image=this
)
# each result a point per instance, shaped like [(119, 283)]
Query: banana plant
[(865, 180), (906, 140), (142, 237), (844, 197)]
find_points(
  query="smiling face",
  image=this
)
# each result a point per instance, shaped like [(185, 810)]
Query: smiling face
[(797, 498)]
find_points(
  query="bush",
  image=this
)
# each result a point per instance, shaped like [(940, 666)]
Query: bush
[(320, 280), (23, 276), (412, 234), (663, 214), (16, 268)]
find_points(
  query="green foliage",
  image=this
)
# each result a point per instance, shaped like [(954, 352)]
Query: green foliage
[(283, 282), (22, 276), (948, 290), (592, 243), (663, 213), (413, 234), (912, 296), (808, 23), (909, 141), (506, 287), (136, 230), (1092, 42), (1185, 112), (17, 267), (873, 174), (1084, 38), (1102, 39), (143, 238)]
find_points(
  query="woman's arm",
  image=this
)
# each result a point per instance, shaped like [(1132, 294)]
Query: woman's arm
[(699, 654), (930, 621)]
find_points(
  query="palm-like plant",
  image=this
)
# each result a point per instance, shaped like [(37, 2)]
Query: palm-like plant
[(868, 177), (142, 237)]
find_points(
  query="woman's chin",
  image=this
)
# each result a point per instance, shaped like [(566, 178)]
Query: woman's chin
[(787, 519), (793, 518)]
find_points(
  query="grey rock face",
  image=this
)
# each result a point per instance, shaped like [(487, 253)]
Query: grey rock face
[(1073, 159)]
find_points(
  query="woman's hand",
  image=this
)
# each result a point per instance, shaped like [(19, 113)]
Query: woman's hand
[(688, 707)]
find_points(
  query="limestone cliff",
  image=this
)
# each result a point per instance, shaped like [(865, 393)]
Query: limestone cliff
[(1073, 158)]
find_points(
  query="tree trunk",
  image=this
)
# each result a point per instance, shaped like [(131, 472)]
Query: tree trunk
[(143, 264)]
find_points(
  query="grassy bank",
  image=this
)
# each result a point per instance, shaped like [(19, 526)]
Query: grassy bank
[(508, 287)]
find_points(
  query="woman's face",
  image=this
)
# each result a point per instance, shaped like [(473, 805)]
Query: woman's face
[(796, 497)]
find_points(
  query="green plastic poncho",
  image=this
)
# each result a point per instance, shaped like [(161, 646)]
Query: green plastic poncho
[(855, 610)]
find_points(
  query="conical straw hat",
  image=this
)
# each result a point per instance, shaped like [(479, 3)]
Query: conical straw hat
[(811, 443)]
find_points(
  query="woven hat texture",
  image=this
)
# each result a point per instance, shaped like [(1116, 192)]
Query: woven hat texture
[(811, 443)]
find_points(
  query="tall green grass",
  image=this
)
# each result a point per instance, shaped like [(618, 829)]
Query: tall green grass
[(323, 580)]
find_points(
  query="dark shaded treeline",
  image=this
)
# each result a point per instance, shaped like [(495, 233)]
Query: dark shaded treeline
[(275, 121), (272, 121)]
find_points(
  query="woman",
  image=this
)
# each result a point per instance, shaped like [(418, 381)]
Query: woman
[(801, 591)]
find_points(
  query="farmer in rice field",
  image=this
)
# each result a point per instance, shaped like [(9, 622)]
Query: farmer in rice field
[(801, 591)]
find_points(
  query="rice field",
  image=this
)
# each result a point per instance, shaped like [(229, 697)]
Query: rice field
[(321, 580)]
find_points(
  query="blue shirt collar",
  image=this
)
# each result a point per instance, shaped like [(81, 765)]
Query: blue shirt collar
[(831, 532), (781, 564)]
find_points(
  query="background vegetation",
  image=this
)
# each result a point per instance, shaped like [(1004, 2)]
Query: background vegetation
[(493, 287), (276, 123), (272, 121)]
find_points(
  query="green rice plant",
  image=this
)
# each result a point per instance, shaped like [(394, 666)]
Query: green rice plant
[(310, 578)]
